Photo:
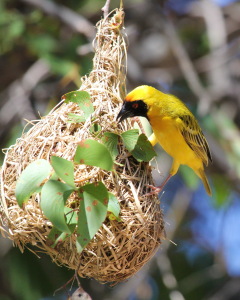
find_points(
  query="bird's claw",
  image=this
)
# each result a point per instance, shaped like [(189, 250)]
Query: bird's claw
[(155, 190), (137, 120)]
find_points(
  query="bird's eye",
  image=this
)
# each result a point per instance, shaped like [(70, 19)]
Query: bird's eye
[(135, 105)]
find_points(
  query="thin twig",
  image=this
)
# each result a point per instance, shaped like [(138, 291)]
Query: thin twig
[(187, 67), (64, 285), (105, 8), (227, 291), (74, 277), (217, 37)]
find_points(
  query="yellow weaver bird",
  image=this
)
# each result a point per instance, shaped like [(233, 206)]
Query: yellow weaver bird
[(174, 128)]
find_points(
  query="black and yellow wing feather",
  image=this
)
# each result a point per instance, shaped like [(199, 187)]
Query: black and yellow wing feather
[(194, 137)]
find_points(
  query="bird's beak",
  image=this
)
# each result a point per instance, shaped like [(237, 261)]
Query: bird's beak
[(124, 113)]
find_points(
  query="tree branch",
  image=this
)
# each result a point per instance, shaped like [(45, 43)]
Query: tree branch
[(75, 21), (187, 67), (17, 94), (105, 8)]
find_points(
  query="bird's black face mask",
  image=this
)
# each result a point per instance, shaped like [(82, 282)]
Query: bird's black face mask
[(133, 109)]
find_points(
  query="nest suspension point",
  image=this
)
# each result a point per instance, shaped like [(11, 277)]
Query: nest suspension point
[(119, 249)]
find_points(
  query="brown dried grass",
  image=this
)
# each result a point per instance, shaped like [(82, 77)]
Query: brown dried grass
[(119, 249)]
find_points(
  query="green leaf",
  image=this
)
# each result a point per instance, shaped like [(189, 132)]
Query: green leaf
[(53, 198), (56, 236), (138, 145), (110, 140), (95, 128), (64, 169), (71, 216), (92, 212), (82, 99), (74, 118), (143, 150), (54, 176), (93, 153), (113, 207), (61, 238), (130, 138), (31, 179)]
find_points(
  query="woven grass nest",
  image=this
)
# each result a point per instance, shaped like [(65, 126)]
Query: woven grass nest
[(119, 249)]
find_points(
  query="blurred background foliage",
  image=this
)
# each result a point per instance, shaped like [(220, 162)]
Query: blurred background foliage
[(190, 48)]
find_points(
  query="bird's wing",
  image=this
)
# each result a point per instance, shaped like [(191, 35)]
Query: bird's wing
[(194, 137)]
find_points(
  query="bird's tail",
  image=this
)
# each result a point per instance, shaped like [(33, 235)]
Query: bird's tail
[(203, 176)]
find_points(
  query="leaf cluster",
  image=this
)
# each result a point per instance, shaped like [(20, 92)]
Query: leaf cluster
[(55, 180)]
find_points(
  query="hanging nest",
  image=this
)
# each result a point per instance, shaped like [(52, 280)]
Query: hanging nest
[(120, 248)]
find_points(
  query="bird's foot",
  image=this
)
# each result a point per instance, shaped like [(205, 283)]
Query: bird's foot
[(137, 120), (155, 190)]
